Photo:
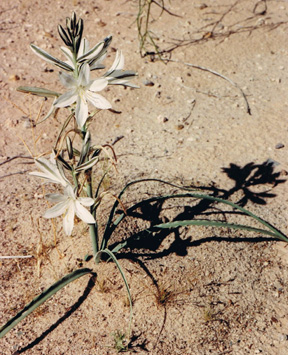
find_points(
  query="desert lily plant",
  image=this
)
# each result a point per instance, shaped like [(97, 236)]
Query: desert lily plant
[(72, 169)]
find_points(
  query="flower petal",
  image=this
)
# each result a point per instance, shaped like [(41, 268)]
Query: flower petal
[(81, 111), (50, 171), (55, 198), (98, 84), (84, 75), (68, 220), (56, 210), (92, 53), (67, 80), (66, 99), (97, 100), (68, 54), (83, 214), (49, 58), (86, 201), (69, 191), (118, 63), (83, 48)]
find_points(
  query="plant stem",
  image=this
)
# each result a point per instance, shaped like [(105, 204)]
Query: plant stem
[(93, 229)]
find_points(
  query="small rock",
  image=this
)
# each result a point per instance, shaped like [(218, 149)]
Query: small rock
[(202, 6), (148, 83), (283, 337), (279, 146), (14, 77), (179, 127)]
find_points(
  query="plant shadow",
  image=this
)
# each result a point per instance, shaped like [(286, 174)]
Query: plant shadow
[(144, 245), (247, 180)]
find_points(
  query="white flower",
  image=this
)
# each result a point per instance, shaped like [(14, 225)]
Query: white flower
[(82, 90), (69, 205), (50, 170)]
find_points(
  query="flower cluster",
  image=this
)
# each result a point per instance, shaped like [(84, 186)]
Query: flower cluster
[(80, 61), (67, 204)]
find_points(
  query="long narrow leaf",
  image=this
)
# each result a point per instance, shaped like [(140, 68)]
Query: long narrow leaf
[(36, 302), (207, 223), (112, 256), (110, 226)]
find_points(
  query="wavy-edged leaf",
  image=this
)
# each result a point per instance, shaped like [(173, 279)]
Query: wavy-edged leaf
[(36, 302)]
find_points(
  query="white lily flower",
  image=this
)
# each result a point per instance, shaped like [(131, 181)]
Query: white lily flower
[(82, 90), (68, 205), (50, 170)]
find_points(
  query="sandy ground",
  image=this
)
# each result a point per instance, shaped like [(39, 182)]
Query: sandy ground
[(226, 292)]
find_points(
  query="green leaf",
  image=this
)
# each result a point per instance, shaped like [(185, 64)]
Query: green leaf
[(207, 223), (113, 257), (111, 226), (38, 91), (36, 302)]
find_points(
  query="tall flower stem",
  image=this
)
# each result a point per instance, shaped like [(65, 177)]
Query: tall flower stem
[(93, 228)]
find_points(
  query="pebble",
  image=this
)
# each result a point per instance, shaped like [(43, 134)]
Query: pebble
[(201, 6), (148, 83), (14, 77), (279, 146), (283, 337)]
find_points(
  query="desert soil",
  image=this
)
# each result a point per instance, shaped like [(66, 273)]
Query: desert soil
[(195, 291)]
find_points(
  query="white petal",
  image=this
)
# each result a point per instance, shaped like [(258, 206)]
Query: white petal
[(118, 63), (86, 201), (68, 55), (67, 80), (55, 198), (68, 220), (98, 84), (81, 111), (69, 191), (93, 53), (83, 214), (66, 99), (83, 48), (49, 171), (84, 75), (97, 64), (45, 176), (56, 210), (98, 101)]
